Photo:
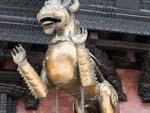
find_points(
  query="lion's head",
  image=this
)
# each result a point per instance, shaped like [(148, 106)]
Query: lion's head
[(55, 14)]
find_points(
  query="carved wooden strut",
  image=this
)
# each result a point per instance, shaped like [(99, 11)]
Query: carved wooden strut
[(68, 63)]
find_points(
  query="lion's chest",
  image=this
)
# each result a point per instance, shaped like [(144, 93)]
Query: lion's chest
[(61, 62)]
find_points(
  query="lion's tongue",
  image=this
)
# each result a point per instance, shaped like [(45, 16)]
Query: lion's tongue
[(48, 29)]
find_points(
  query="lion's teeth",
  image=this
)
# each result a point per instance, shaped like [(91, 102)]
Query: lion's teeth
[(47, 22)]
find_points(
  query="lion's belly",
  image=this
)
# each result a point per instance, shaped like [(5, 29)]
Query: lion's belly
[(60, 62), (61, 68)]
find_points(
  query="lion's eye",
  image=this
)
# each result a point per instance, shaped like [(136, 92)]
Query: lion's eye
[(47, 4), (66, 2)]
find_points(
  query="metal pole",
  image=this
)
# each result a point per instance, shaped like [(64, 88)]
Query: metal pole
[(82, 99), (57, 100)]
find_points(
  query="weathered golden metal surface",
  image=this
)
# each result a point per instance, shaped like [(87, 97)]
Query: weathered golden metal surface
[(33, 81), (68, 64)]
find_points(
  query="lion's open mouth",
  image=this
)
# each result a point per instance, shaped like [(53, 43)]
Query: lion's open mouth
[(49, 21)]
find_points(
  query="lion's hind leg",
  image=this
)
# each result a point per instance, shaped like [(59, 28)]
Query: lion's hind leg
[(108, 98)]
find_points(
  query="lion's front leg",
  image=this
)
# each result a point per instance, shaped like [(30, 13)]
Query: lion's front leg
[(85, 70), (31, 77)]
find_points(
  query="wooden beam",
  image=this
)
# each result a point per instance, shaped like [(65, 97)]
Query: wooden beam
[(121, 45)]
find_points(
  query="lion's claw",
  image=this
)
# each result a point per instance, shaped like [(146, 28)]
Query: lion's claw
[(18, 53), (80, 37)]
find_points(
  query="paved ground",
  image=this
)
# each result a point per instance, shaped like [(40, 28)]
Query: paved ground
[(130, 86)]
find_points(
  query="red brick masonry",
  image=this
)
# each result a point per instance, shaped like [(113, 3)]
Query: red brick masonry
[(130, 86)]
